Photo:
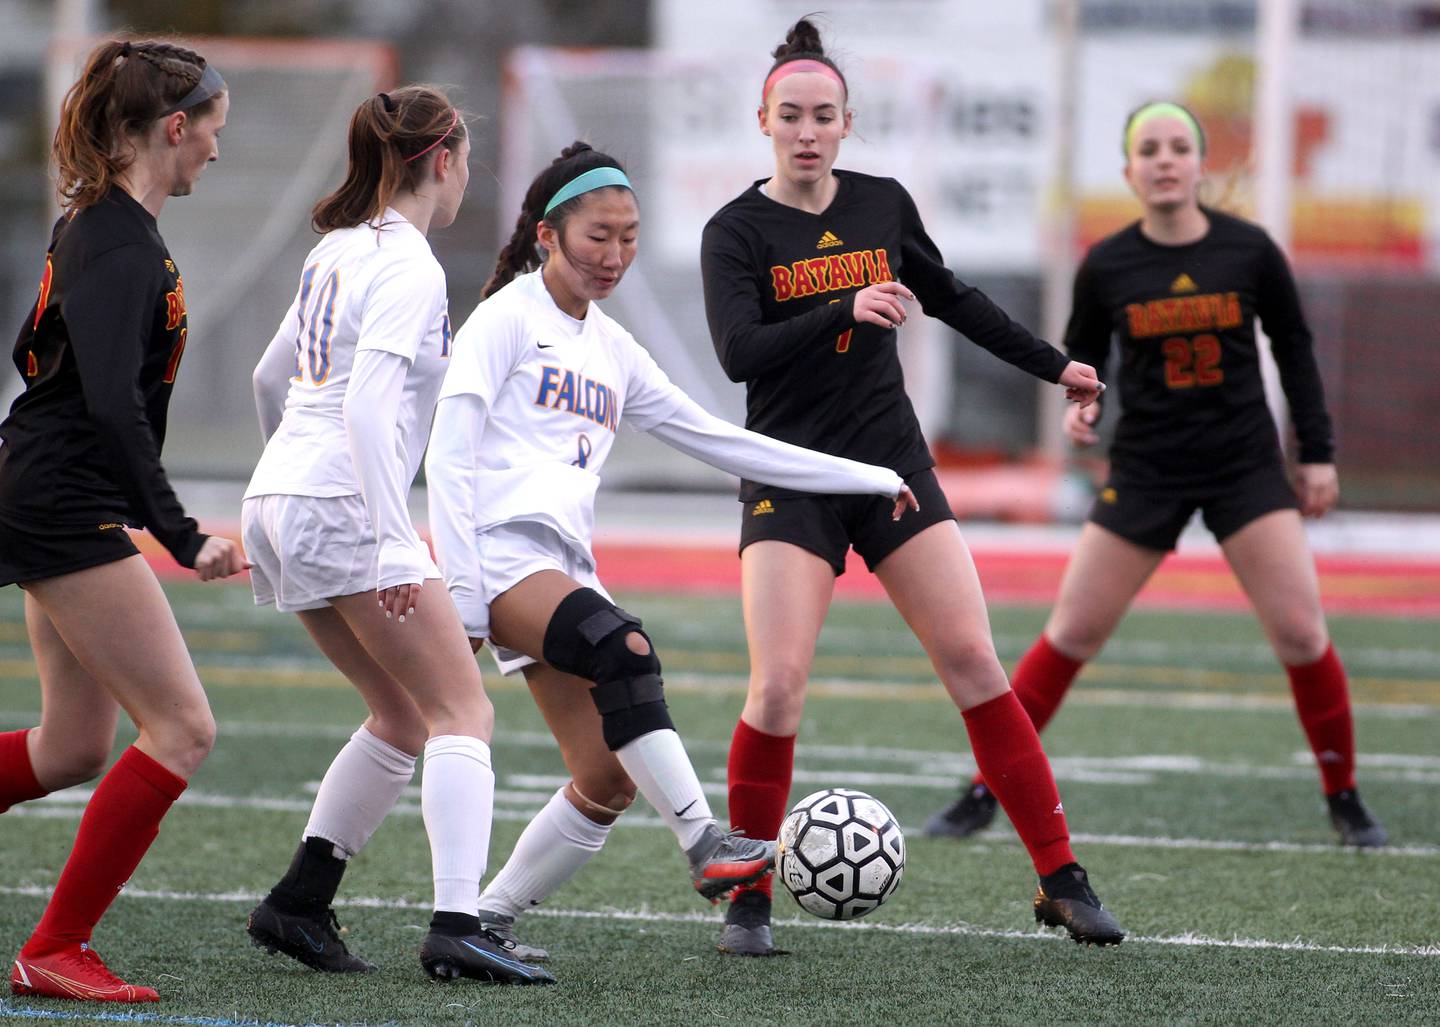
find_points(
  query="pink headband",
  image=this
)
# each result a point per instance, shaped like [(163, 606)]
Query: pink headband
[(795, 67), (453, 122)]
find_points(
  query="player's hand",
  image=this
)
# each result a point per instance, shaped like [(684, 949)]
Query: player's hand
[(219, 558), (399, 601), (1082, 384), (904, 501), (880, 304), (1080, 424), (1317, 486)]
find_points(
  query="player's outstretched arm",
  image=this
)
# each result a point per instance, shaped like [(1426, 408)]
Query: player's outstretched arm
[(695, 432)]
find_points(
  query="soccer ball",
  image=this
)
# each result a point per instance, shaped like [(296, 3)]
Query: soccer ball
[(840, 853)]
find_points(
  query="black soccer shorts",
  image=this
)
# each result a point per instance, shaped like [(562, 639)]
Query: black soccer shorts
[(1154, 517), (829, 525)]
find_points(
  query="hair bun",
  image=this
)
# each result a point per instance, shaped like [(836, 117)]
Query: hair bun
[(577, 147), (803, 37)]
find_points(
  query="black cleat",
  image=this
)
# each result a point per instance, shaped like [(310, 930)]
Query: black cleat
[(1065, 899), (311, 938), (747, 927), (1355, 823), (502, 928), (480, 957), (967, 815)]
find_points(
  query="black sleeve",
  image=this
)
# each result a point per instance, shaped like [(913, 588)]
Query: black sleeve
[(108, 314), (965, 308), (746, 347), (1088, 333), (1278, 304)]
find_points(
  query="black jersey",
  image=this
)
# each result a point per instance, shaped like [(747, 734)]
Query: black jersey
[(778, 289), (98, 354), (1193, 399)]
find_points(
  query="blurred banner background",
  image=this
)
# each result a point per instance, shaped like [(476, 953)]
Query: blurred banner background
[(1002, 120)]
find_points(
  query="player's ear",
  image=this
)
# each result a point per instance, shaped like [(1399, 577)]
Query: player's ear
[(762, 115), (849, 123), (547, 237)]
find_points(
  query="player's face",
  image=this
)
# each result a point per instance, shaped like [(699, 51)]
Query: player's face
[(199, 144), (452, 188), (1164, 164), (805, 118), (600, 242)]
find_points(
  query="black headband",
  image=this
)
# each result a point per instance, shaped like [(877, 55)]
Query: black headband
[(210, 84)]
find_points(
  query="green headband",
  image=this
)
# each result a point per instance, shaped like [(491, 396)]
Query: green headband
[(596, 178), (1162, 110)]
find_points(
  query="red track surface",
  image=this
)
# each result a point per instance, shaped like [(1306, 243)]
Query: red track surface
[(1353, 585)]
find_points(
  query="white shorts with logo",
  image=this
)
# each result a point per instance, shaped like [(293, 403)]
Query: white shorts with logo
[(308, 550), (510, 553)]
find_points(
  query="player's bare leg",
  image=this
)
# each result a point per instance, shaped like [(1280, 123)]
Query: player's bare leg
[(932, 580), (1101, 580), (1271, 558)]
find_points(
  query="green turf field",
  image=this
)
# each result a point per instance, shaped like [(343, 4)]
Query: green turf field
[(1193, 802)]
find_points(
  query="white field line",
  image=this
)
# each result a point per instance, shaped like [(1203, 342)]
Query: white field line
[(644, 915), (70, 803)]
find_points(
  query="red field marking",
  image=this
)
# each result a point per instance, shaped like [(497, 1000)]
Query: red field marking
[(1348, 584)]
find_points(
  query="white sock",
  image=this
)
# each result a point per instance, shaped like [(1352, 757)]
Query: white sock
[(556, 843), (363, 784), (457, 798), (661, 769)]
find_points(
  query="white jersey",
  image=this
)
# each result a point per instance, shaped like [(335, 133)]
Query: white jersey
[(528, 414), (362, 288)]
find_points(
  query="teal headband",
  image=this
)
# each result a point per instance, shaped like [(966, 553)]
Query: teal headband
[(1162, 110), (595, 178)]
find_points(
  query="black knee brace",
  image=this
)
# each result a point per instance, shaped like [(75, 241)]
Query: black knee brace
[(586, 637)]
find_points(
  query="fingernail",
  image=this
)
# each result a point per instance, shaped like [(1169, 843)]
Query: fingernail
[(387, 614), (411, 611), (402, 618)]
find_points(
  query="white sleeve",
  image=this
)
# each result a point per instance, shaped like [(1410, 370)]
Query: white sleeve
[(650, 396), (485, 352), (695, 432), (372, 407), (450, 475), (271, 380), (402, 303)]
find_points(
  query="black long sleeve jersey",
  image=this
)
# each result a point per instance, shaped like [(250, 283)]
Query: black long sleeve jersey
[(98, 354), (778, 288), (1193, 400)]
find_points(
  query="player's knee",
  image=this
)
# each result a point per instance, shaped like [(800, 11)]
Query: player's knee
[(961, 659), (780, 682), (602, 797), (1300, 640), (592, 638), (82, 760)]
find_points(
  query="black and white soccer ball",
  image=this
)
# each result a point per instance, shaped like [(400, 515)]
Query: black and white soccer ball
[(840, 853)]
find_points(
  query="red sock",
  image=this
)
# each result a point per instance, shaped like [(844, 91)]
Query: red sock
[(17, 776), (120, 821), (1323, 702), (1041, 679), (1007, 749), (759, 771)]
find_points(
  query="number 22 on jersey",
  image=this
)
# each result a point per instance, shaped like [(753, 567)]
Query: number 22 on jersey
[(317, 325)]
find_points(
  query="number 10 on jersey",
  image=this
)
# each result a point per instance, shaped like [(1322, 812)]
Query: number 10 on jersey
[(317, 325)]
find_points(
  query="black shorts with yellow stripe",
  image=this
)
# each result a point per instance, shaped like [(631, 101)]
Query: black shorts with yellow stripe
[(829, 525), (29, 555), (1154, 517)]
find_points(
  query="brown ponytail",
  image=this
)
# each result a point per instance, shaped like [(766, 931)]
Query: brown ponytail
[(802, 43), (521, 253), (389, 132), (125, 86)]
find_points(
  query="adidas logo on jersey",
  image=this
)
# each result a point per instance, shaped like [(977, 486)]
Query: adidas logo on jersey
[(828, 240), (1183, 284), (763, 507)]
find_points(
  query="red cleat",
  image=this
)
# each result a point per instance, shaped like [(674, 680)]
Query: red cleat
[(75, 972)]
